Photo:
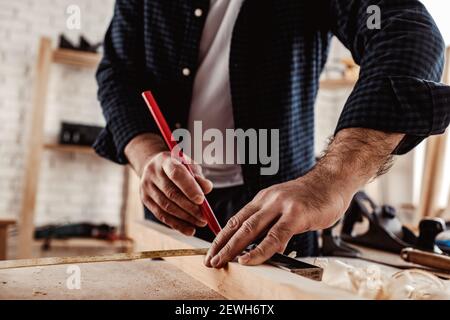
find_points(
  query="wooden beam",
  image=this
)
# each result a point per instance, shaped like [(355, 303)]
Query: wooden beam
[(34, 149), (4, 224), (235, 281)]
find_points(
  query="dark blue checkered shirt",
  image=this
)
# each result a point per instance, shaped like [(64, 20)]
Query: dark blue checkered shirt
[(278, 50)]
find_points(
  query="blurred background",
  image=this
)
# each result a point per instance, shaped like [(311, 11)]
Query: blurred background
[(49, 177)]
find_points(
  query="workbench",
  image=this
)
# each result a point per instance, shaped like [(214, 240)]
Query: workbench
[(177, 277), (143, 279)]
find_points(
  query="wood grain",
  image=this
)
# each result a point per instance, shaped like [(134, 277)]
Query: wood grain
[(235, 281), (142, 279)]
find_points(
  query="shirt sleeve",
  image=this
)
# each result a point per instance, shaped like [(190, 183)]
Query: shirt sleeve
[(401, 65), (120, 83)]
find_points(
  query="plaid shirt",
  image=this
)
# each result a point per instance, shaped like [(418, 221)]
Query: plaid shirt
[(278, 51)]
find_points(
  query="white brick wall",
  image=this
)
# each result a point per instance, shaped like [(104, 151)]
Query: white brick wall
[(72, 188)]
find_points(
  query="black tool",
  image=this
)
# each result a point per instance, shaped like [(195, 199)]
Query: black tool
[(84, 45), (78, 134), (385, 231), (293, 265), (332, 245)]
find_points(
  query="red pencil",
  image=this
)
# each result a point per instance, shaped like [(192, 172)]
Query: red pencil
[(171, 143)]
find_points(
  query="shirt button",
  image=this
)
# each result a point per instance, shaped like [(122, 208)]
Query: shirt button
[(198, 12), (178, 125), (186, 72)]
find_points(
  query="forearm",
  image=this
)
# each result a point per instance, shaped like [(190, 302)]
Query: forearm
[(352, 159), (142, 148)]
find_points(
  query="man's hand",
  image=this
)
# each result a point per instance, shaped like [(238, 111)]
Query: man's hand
[(167, 188), (313, 202)]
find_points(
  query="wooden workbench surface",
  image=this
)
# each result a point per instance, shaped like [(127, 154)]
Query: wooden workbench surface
[(144, 279)]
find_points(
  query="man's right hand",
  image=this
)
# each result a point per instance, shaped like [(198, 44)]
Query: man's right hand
[(167, 188)]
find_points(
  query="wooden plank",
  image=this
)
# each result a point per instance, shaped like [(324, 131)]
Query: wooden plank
[(34, 148), (235, 281), (143, 280), (432, 177), (3, 241), (4, 224), (76, 58)]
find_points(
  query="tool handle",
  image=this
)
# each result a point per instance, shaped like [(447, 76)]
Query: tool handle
[(428, 259), (171, 144)]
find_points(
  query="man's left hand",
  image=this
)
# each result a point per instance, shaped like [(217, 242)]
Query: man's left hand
[(280, 212)]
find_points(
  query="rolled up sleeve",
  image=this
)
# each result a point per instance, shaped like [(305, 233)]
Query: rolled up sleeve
[(401, 65)]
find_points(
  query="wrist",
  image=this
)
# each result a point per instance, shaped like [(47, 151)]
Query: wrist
[(142, 149)]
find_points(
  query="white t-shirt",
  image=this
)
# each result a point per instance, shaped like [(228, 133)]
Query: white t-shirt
[(211, 101)]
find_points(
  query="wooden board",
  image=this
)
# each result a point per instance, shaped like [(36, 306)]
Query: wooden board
[(4, 223), (34, 149), (235, 281), (146, 279), (76, 58)]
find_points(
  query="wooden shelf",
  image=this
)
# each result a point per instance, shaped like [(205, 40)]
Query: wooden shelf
[(69, 148), (76, 58), (337, 83), (7, 222)]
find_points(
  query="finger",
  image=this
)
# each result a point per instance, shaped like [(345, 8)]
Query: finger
[(196, 168), (184, 180), (167, 219), (172, 208), (250, 230), (204, 183), (275, 241), (230, 229), (172, 192)]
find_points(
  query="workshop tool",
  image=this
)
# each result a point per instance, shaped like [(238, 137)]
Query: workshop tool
[(428, 259), (443, 240), (278, 260), (293, 265), (23, 263), (171, 143), (298, 267), (385, 231)]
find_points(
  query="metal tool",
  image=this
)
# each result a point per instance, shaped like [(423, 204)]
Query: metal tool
[(296, 266), (23, 263), (385, 231), (293, 265)]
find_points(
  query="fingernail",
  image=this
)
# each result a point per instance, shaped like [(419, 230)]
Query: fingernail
[(198, 199), (244, 258), (215, 261), (202, 223)]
